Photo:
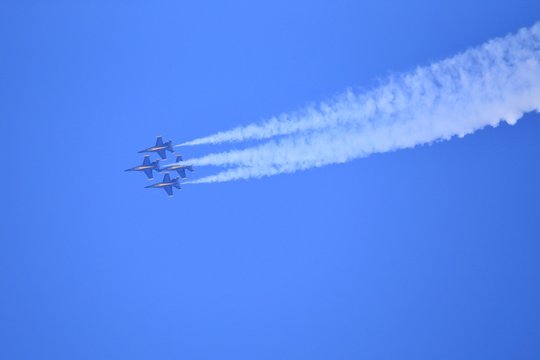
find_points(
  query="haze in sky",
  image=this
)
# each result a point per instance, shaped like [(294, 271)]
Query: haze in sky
[(498, 81)]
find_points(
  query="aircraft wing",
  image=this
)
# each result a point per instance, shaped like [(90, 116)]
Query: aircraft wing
[(162, 154), (149, 174), (146, 160), (182, 172), (167, 178), (159, 141), (168, 190)]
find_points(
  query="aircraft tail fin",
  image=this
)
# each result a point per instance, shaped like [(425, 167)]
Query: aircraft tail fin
[(170, 146), (176, 184), (178, 158), (190, 167), (146, 160)]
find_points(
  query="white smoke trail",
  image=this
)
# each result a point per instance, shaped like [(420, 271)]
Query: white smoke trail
[(498, 81)]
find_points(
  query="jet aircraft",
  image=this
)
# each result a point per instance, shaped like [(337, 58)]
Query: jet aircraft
[(160, 148), (181, 169), (167, 184), (147, 167)]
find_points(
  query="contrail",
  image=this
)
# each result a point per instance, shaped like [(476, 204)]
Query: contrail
[(497, 81)]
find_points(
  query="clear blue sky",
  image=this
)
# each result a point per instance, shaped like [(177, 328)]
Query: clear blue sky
[(430, 253)]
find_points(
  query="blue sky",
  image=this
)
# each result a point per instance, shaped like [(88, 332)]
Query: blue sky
[(426, 253)]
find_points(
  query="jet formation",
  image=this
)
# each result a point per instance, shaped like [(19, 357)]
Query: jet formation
[(148, 167)]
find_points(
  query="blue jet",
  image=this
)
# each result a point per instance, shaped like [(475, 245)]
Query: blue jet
[(160, 148), (167, 184), (181, 169), (147, 167)]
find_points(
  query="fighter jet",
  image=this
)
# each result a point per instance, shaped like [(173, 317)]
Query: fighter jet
[(181, 169), (147, 167), (160, 148), (167, 184)]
